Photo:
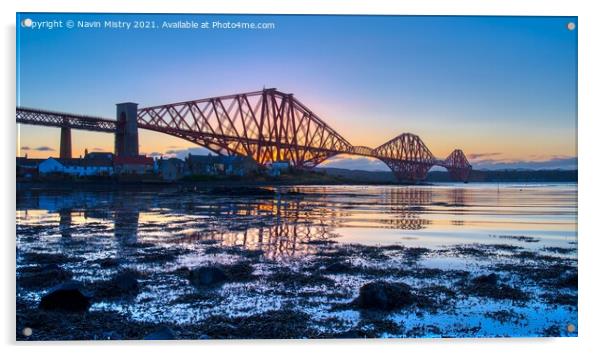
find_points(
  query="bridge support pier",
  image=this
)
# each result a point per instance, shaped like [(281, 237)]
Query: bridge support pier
[(126, 136), (65, 150)]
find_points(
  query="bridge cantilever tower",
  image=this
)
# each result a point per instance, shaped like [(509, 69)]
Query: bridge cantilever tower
[(458, 166), (267, 125), (407, 156)]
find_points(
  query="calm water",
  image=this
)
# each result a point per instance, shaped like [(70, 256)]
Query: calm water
[(287, 227), (421, 216)]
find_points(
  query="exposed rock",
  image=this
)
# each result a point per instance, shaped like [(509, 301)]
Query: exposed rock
[(207, 276), (43, 276), (338, 267), (49, 258), (384, 296), (126, 282), (239, 272), (159, 254), (121, 285), (68, 297), (490, 286), (108, 262), (490, 279), (163, 333), (217, 274), (292, 279), (569, 281)]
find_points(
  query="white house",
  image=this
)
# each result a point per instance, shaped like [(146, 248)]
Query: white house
[(75, 167), (50, 165)]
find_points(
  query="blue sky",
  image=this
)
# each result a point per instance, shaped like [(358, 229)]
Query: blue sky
[(501, 88)]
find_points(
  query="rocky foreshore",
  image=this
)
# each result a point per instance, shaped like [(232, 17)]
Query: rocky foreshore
[(339, 291)]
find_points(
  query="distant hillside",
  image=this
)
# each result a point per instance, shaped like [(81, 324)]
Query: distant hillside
[(443, 176)]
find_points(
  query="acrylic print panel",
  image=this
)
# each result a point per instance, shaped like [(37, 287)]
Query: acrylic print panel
[(184, 176)]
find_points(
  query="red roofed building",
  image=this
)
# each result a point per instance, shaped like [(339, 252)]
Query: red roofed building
[(136, 165)]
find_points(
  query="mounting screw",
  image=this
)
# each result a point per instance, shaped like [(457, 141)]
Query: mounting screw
[(26, 22), (27, 331), (571, 26)]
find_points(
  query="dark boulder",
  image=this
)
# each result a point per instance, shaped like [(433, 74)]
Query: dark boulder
[(121, 285), (384, 296), (239, 272), (338, 268), (486, 280), (67, 297), (490, 286), (126, 282), (108, 262), (207, 276), (163, 333), (569, 281)]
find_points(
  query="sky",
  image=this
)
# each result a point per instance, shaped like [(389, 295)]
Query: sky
[(502, 89)]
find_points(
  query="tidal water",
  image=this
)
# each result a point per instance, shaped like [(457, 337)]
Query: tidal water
[(161, 230)]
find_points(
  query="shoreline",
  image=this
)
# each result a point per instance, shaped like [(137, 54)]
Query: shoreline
[(225, 263), (115, 185)]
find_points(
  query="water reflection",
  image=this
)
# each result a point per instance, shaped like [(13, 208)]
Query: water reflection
[(126, 224), (65, 222), (278, 227), (407, 206), (287, 223), (281, 240), (458, 200)]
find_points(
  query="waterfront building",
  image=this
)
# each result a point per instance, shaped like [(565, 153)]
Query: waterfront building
[(277, 168), (236, 165), (170, 169), (27, 168), (133, 165), (220, 165), (76, 167), (201, 164)]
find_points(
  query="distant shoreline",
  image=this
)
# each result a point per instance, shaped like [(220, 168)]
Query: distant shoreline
[(491, 176), (57, 185)]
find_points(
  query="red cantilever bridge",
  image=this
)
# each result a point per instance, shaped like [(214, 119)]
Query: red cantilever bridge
[(267, 125)]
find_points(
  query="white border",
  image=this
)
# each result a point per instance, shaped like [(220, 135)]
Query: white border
[(590, 133)]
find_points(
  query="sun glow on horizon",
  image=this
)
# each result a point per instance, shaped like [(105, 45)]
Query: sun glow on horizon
[(457, 82)]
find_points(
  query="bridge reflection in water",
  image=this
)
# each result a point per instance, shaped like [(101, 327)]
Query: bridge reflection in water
[(284, 225)]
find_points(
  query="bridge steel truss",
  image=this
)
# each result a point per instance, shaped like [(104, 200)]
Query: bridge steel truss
[(65, 120), (407, 156), (268, 126)]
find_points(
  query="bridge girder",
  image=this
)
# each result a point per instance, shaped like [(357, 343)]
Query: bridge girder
[(268, 126), (65, 120)]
